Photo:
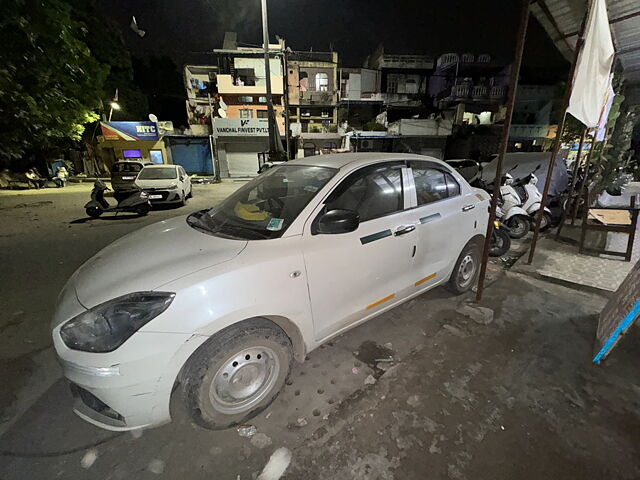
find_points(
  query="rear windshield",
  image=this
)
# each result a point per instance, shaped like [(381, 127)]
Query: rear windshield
[(157, 173), (126, 167)]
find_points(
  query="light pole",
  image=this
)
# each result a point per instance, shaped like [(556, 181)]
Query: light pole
[(114, 105), (275, 144)]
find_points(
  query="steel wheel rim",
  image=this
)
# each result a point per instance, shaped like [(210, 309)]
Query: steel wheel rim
[(467, 270), (518, 226), (244, 380), (544, 221)]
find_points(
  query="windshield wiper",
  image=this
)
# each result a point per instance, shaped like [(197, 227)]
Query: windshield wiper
[(245, 229)]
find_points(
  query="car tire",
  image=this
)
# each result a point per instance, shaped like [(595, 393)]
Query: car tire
[(465, 271), (190, 194), (519, 226), (183, 200), (256, 354)]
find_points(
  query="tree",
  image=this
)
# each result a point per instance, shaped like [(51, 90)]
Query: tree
[(105, 40), (50, 85)]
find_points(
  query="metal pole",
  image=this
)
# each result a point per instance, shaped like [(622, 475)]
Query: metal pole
[(583, 182), (573, 184), (584, 178), (558, 139), (287, 124), (275, 144), (213, 144), (513, 86)]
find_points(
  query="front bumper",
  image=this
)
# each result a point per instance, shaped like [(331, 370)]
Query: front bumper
[(129, 388), (163, 196)]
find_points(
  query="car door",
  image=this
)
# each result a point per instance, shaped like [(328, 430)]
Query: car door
[(442, 221), (352, 276)]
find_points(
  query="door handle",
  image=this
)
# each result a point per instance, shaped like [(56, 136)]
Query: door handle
[(404, 229), (466, 208)]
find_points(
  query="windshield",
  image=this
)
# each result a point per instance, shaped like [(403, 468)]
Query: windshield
[(156, 173), (131, 167), (267, 205)]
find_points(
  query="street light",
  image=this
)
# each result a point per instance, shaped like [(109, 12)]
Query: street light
[(114, 104)]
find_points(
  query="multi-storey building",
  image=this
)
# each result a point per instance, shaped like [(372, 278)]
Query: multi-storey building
[(230, 95), (312, 83)]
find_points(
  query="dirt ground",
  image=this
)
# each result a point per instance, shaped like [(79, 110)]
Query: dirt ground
[(507, 394)]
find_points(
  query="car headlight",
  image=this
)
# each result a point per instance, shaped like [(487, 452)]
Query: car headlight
[(173, 186), (105, 327)]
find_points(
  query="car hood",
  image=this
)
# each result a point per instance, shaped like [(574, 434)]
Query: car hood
[(149, 258), (156, 183)]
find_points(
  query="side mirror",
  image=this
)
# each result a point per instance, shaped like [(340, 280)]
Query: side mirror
[(338, 221)]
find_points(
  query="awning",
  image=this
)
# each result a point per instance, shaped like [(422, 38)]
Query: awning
[(562, 20)]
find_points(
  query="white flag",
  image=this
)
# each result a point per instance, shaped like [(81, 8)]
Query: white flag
[(591, 79)]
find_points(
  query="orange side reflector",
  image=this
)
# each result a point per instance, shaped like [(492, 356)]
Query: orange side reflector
[(382, 300), (420, 282)]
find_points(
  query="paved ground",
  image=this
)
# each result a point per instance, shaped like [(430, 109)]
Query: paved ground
[(511, 395)]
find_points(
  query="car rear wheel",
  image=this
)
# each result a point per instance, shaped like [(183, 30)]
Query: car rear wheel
[(465, 271), (236, 374)]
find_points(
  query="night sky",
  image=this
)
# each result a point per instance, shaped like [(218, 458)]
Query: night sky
[(181, 28)]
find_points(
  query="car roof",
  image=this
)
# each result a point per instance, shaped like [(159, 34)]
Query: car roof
[(340, 160), (161, 165)]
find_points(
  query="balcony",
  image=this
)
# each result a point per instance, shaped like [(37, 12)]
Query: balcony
[(460, 92), (498, 92), (480, 92)]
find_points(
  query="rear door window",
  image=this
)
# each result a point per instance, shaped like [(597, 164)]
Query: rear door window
[(371, 191), (433, 184)]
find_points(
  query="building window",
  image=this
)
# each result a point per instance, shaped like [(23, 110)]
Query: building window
[(244, 99), (262, 99), (156, 156), (246, 113), (322, 82), (392, 84), (263, 113)]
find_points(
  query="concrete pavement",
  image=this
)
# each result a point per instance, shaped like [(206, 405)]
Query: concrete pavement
[(464, 396)]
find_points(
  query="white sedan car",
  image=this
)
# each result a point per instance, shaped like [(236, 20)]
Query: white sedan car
[(219, 303), (165, 184)]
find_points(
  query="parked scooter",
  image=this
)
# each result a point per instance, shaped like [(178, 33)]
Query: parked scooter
[(525, 194), (515, 217), (134, 201)]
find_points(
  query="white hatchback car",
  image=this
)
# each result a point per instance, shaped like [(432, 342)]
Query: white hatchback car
[(219, 302), (165, 184)]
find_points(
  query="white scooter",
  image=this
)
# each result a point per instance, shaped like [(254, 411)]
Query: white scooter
[(515, 217), (530, 198)]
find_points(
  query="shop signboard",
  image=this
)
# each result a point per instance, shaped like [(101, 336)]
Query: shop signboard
[(130, 131), (241, 127)]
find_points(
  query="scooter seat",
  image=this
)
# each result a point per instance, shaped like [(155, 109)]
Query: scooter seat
[(522, 193)]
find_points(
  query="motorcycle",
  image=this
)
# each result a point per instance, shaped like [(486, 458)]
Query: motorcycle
[(134, 201), (500, 239)]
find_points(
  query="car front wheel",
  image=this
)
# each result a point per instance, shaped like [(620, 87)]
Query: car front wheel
[(236, 374)]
